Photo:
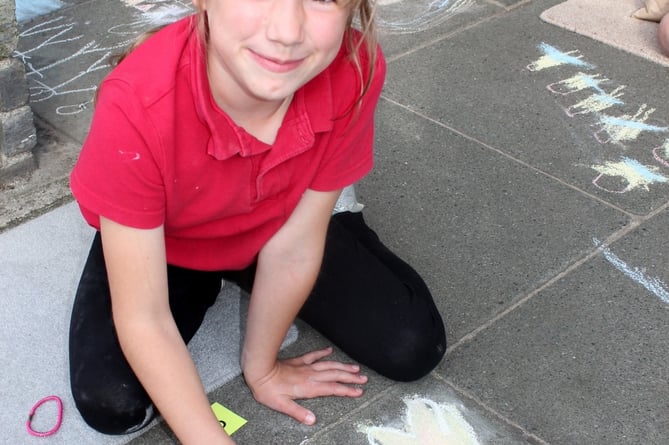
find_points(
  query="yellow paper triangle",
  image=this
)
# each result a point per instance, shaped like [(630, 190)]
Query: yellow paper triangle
[(230, 421)]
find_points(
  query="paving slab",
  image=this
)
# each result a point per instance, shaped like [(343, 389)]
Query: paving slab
[(585, 360)]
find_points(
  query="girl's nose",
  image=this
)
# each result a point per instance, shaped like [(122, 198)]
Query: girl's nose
[(285, 21)]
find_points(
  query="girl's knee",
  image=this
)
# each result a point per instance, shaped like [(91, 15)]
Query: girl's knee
[(414, 353), (111, 412)]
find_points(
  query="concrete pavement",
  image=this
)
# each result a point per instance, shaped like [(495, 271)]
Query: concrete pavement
[(538, 225)]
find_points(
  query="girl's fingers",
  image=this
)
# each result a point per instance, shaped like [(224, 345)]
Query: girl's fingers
[(314, 356), (326, 389), (296, 411), (332, 365), (314, 359), (338, 376)]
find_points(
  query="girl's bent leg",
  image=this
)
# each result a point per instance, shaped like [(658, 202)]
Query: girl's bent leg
[(106, 391), (104, 388), (373, 305)]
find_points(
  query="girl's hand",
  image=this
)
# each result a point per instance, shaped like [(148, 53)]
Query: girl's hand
[(305, 377)]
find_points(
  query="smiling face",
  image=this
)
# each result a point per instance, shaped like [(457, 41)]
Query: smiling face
[(262, 51)]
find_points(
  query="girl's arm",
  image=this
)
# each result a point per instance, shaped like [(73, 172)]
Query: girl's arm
[(287, 269), (148, 335)]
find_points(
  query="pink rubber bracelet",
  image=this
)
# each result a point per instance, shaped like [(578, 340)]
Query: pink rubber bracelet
[(59, 420)]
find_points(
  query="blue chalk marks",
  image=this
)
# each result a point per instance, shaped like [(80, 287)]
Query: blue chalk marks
[(554, 57), (578, 82), (627, 127), (652, 284), (597, 102), (635, 174)]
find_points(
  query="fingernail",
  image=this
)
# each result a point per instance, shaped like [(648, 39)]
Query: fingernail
[(309, 419)]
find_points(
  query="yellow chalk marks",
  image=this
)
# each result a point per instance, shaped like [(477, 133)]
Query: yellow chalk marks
[(627, 127), (554, 57), (597, 102), (635, 174), (426, 423), (578, 82)]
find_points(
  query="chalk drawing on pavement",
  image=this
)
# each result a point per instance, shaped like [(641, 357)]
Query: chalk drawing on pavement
[(578, 82), (425, 423), (652, 284), (409, 16), (617, 132), (160, 12), (632, 173), (597, 102), (626, 127), (553, 57), (74, 77), (91, 56)]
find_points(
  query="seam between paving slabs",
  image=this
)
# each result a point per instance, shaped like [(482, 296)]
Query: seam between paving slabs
[(615, 236), (526, 434)]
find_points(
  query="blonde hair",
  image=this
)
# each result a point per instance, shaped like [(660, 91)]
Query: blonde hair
[(365, 10)]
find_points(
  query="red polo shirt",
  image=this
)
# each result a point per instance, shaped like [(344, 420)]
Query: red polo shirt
[(160, 151)]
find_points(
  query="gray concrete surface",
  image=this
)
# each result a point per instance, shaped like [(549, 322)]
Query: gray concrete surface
[(550, 274)]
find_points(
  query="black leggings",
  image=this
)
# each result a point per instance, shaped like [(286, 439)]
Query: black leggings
[(366, 301)]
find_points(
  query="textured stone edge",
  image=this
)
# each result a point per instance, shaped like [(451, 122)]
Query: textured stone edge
[(24, 197)]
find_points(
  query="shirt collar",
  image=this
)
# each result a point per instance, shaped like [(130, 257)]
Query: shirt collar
[(312, 105)]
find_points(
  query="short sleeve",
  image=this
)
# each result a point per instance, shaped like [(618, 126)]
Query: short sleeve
[(351, 143), (118, 173)]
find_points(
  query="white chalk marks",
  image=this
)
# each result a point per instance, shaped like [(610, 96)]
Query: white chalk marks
[(596, 99), (46, 80), (409, 16), (64, 63), (426, 423), (160, 12), (634, 174), (652, 284)]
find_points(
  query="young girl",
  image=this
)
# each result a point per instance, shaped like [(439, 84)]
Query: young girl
[(218, 149)]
